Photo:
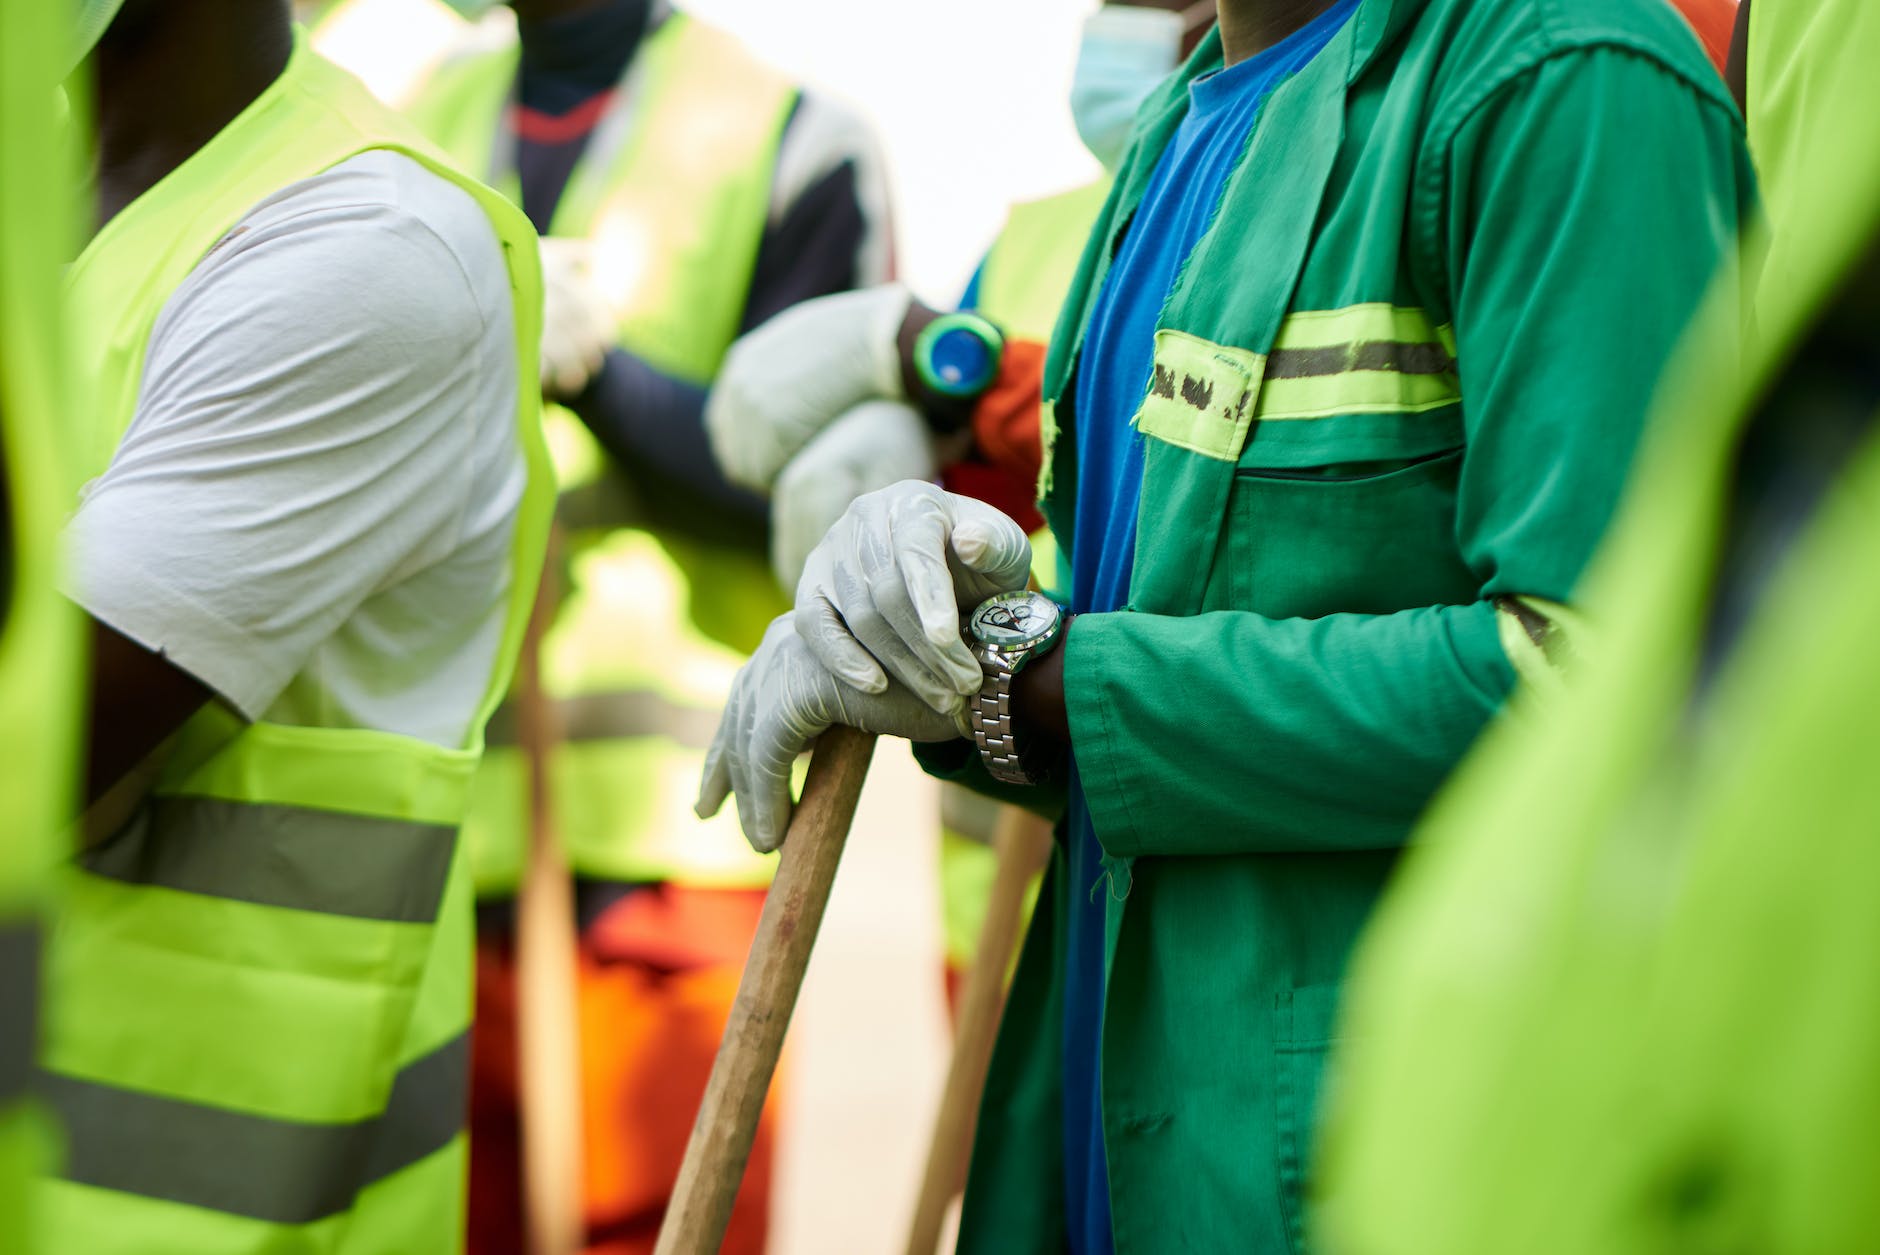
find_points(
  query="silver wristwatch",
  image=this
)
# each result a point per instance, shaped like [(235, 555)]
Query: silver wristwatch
[(1007, 633)]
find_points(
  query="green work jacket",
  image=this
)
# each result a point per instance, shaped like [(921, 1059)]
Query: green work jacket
[(1396, 388)]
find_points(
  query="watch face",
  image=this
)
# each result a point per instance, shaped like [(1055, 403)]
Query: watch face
[(961, 362), (958, 355), (1013, 621)]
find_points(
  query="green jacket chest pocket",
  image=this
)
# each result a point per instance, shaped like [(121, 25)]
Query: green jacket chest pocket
[(1369, 535), (1319, 478), (1336, 460)]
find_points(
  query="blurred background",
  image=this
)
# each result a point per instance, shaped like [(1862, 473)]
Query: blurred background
[(969, 99)]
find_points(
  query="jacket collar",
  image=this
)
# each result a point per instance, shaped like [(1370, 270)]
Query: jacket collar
[(1379, 24)]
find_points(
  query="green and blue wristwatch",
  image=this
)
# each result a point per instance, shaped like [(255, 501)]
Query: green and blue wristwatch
[(1009, 632), (958, 356)]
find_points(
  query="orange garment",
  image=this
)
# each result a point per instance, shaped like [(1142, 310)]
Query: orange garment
[(955, 989), (1005, 420), (1002, 467), (657, 974), (1714, 21)]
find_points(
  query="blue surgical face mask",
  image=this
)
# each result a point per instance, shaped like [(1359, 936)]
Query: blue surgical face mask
[(1125, 52)]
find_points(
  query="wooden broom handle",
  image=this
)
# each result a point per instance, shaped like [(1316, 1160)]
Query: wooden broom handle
[(547, 1032), (773, 976), (1023, 844)]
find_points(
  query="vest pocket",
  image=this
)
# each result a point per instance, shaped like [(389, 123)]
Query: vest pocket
[(1366, 537), (1304, 1019)]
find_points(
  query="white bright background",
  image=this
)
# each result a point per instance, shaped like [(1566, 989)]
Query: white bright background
[(969, 100), (968, 96)]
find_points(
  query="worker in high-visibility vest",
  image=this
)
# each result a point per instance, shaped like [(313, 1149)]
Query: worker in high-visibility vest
[(685, 191), (318, 501), (1622, 999), (40, 676)]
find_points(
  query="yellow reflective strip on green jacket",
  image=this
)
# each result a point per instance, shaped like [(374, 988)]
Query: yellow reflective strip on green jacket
[(258, 1038), (1048, 433), (1544, 641), (1201, 395), (1373, 322), (1367, 359), (1357, 389)]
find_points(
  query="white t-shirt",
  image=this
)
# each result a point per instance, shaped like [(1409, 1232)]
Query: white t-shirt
[(311, 511)]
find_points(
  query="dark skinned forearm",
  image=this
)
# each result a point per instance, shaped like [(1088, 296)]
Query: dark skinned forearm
[(139, 699), (1038, 694)]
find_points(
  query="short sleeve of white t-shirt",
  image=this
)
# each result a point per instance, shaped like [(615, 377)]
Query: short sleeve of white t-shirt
[(312, 509)]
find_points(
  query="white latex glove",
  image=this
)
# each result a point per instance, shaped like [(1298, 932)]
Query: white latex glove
[(799, 372), (782, 700), (887, 586), (577, 326), (873, 445)]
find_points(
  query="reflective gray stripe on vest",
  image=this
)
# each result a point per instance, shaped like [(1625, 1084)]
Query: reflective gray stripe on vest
[(279, 1171), (19, 985), (363, 866), (621, 715)]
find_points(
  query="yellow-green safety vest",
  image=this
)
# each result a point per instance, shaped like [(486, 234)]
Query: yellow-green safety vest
[(673, 195), (1022, 285), (261, 986), (40, 678), (1028, 271), (1620, 999)]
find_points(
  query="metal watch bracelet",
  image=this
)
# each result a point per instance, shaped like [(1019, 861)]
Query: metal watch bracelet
[(992, 720)]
